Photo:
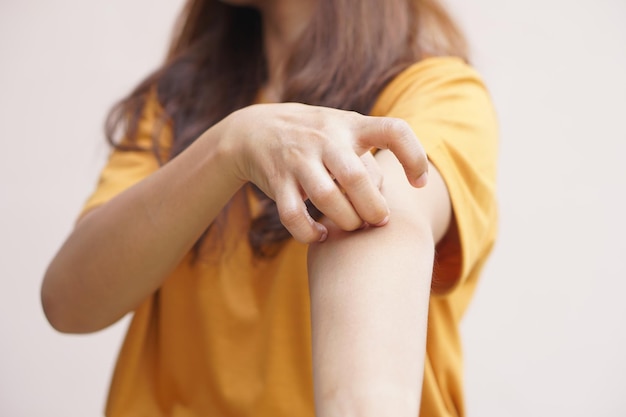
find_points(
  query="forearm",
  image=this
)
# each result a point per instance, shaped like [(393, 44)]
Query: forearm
[(121, 252), (369, 306)]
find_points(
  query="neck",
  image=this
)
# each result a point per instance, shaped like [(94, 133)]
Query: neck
[(283, 24)]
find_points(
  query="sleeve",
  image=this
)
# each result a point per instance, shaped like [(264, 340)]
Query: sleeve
[(447, 105), (125, 168)]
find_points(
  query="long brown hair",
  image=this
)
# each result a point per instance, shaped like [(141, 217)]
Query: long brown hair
[(215, 65)]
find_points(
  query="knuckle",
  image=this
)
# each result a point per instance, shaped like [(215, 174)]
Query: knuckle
[(353, 177), (354, 116), (398, 128), (324, 193)]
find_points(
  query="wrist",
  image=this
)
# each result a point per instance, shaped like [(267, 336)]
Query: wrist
[(225, 144), (230, 144)]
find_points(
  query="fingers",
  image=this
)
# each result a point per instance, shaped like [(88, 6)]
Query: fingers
[(351, 201), (373, 169), (305, 149), (295, 217), (363, 193), (397, 136), (328, 198)]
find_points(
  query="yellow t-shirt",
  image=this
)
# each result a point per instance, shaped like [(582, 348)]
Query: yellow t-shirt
[(229, 334)]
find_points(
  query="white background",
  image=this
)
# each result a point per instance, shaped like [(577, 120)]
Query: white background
[(546, 333)]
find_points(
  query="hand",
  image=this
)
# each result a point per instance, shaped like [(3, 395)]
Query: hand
[(294, 151)]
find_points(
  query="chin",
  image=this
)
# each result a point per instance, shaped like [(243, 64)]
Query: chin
[(241, 2)]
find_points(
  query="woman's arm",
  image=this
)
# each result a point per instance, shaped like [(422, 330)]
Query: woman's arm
[(120, 252), (369, 301)]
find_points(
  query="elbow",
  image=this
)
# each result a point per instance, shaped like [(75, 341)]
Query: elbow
[(60, 311), (63, 320), (52, 306), (53, 314)]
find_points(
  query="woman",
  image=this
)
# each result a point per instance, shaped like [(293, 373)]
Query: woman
[(273, 265)]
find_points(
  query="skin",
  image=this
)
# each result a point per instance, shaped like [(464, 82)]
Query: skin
[(369, 302), (369, 286)]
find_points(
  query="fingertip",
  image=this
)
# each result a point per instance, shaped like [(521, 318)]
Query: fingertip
[(323, 232), (383, 222), (421, 181)]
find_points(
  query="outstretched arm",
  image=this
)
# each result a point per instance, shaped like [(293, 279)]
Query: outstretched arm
[(369, 302)]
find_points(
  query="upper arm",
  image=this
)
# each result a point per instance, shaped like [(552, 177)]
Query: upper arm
[(429, 205), (369, 300), (449, 108), (370, 288)]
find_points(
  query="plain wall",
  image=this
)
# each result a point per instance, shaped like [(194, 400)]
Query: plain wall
[(546, 332)]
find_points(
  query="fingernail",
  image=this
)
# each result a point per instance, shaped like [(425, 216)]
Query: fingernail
[(383, 222), (422, 180), (323, 232)]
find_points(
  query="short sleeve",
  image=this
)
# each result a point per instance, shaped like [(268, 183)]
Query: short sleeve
[(125, 168), (447, 105)]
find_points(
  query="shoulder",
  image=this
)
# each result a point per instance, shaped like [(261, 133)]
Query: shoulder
[(440, 80), (448, 106)]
